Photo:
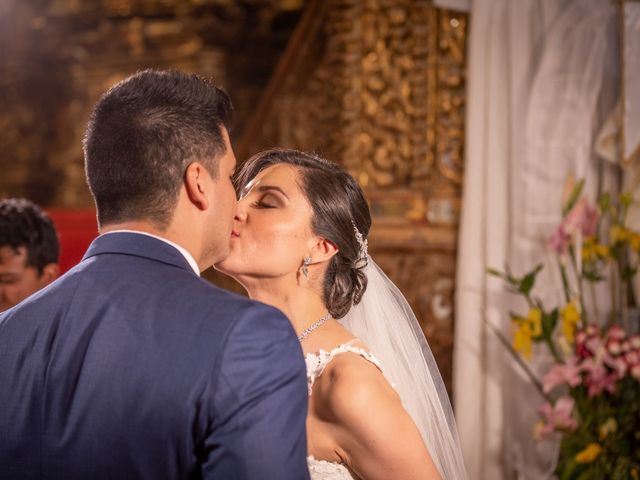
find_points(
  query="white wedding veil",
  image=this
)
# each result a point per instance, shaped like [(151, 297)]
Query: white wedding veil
[(384, 321)]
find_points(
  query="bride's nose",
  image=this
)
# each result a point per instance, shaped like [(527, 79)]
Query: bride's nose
[(241, 212)]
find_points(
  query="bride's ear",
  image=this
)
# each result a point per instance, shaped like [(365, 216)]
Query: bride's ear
[(196, 182), (323, 250)]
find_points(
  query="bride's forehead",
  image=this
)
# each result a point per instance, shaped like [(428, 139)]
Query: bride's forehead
[(281, 175)]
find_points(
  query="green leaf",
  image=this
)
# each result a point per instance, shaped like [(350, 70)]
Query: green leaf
[(495, 272), (603, 202), (625, 199), (549, 322), (628, 273), (615, 250), (573, 197), (568, 469), (588, 474), (592, 276), (529, 280)]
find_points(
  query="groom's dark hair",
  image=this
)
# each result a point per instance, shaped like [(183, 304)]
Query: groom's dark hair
[(143, 134)]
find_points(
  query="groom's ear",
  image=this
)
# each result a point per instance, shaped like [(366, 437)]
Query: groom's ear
[(196, 182), (323, 250)]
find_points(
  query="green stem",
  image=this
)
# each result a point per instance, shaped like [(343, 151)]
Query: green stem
[(584, 317), (614, 294), (595, 300), (625, 285), (553, 349), (565, 281), (625, 306)]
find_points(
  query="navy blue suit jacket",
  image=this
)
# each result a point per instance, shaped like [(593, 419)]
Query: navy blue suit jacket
[(132, 367)]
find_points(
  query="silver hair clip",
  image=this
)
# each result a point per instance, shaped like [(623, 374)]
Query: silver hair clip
[(363, 253)]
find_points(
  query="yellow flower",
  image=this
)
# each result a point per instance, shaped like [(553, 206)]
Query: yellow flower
[(591, 249), (634, 474), (589, 454), (619, 234), (588, 249), (608, 427), (522, 341), (535, 319), (634, 242), (602, 251), (570, 317)]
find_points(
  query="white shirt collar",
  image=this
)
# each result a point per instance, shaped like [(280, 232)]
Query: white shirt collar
[(182, 250)]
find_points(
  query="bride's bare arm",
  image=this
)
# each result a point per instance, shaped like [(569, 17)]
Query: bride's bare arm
[(373, 433)]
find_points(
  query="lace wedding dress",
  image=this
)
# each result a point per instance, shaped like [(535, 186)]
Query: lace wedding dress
[(316, 363)]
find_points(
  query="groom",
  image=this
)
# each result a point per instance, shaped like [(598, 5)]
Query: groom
[(131, 366)]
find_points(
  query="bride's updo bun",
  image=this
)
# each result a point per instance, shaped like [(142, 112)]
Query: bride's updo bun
[(338, 206)]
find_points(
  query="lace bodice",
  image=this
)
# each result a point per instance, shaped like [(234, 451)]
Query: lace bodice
[(323, 470), (316, 363)]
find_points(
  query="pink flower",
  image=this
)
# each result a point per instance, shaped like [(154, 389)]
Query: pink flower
[(614, 346), (581, 337), (560, 374), (581, 349), (632, 358), (594, 345), (598, 379), (617, 333), (635, 342), (582, 218), (559, 241), (592, 330), (618, 365), (558, 416), (635, 372)]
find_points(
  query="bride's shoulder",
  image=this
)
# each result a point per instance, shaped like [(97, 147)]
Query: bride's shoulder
[(351, 385)]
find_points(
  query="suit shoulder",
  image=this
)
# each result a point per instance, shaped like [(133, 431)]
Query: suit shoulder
[(216, 296)]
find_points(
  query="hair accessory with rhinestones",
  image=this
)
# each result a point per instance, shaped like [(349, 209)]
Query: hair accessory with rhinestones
[(363, 253)]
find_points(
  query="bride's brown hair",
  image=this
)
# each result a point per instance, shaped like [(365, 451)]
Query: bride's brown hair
[(338, 204)]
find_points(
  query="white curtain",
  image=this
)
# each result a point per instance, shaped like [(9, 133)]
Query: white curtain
[(541, 74)]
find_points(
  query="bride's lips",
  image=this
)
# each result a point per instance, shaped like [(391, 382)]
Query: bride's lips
[(234, 234)]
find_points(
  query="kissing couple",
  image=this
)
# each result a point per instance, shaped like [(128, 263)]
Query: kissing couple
[(130, 366)]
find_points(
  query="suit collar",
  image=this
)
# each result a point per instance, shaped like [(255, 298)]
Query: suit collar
[(140, 245)]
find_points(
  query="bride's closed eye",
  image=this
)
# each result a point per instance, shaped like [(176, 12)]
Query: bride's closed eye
[(267, 201)]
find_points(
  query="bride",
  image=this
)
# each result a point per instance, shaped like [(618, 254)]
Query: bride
[(377, 405)]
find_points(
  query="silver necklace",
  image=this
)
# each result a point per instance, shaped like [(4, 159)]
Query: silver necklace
[(313, 326)]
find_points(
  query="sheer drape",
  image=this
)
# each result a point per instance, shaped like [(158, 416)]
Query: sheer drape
[(537, 88)]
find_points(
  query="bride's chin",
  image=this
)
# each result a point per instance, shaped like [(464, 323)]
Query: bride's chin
[(226, 268), (223, 267)]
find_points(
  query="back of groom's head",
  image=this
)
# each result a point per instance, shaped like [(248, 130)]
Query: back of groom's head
[(142, 135)]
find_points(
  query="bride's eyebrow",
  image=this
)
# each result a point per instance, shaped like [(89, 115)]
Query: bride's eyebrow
[(266, 188)]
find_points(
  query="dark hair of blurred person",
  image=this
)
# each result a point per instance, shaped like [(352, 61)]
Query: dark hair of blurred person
[(29, 251), (141, 137)]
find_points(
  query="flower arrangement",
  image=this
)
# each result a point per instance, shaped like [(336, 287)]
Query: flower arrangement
[(592, 389)]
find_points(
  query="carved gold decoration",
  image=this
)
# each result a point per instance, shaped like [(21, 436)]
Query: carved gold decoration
[(380, 87), (60, 55)]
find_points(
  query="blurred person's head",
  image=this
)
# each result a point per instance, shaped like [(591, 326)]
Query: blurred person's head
[(157, 152), (29, 251)]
